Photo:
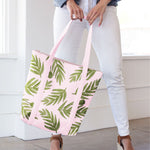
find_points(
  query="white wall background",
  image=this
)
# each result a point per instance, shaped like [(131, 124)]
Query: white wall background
[(34, 31)]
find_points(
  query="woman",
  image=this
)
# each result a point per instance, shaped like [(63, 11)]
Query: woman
[(107, 45)]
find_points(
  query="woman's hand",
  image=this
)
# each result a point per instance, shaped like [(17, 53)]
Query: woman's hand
[(97, 11), (74, 9)]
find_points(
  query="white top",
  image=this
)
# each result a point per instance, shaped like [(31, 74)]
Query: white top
[(86, 5)]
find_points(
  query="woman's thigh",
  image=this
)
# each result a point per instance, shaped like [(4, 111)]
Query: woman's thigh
[(107, 44), (69, 46)]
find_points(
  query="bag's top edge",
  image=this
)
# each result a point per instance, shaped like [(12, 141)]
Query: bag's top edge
[(38, 51)]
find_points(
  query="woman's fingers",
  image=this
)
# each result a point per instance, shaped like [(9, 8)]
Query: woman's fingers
[(75, 11), (71, 14), (81, 15), (88, 16), (96, 11), (93, 18), (101, 19)]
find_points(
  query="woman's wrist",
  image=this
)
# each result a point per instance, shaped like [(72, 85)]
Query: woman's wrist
[(70, 1), (104, 2)]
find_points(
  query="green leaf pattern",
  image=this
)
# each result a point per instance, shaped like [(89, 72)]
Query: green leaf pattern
[(36, 66), (65, 109), (57, 96), (51, 121), (58, 71), (26, 107), (76, 76), (74, 128), (32, 86), (81, 112), (48, 85), (90, 73), (89, 89)]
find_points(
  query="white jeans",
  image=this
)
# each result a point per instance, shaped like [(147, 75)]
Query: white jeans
[(107, 45)]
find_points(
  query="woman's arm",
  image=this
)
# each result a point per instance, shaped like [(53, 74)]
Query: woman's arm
[(97, 11)]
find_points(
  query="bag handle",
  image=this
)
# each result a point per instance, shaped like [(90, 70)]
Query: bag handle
[(86, 58)]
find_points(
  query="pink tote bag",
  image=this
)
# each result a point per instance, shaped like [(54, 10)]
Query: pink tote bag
[(58, 93)]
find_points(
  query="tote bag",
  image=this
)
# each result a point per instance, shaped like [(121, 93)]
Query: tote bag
[(58, 93)]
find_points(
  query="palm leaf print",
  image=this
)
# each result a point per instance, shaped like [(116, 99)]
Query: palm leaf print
[(36, 118), (26, 107), (89, 89), (81, 103), (76, 75), (48, 85), (32, 86), (50, 75), (36, 66), (65, 110), (56, 96), (74, 128), (90, 73), (51, 121), (81, 112), (75, 92), (58, 70), (47, 58)]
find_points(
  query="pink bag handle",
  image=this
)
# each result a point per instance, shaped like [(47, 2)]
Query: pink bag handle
[(86, 58)]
